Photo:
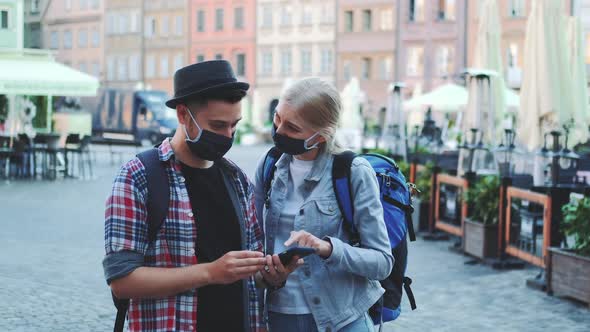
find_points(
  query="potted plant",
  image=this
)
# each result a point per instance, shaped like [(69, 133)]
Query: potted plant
[(569, 269), (481, 228)]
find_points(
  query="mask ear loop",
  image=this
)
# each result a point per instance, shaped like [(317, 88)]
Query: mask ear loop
[(309, 139), (188, 138)]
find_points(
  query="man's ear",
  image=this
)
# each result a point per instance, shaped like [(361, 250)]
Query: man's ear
[(181, 110)]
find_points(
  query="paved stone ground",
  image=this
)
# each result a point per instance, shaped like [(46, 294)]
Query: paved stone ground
[(51, 247)]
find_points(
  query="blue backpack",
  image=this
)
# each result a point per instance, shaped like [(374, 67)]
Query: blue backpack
[(397, 208)]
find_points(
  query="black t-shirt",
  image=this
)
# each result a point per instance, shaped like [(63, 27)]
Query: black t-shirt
[(219, 307)]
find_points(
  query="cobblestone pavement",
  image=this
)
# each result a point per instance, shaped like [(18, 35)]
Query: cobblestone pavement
[(51, 278)]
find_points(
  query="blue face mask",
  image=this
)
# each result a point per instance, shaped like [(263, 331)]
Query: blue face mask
[(208, 145), (290, 145)]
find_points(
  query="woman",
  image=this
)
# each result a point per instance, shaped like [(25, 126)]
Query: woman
[(333, 290)]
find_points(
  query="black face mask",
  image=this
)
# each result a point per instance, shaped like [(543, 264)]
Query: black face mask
[(290, 145), (208, 145)]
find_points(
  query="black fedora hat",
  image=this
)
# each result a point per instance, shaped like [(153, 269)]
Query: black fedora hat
[(203, 77)]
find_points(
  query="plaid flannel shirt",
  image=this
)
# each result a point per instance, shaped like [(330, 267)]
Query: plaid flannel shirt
[(126, 229)]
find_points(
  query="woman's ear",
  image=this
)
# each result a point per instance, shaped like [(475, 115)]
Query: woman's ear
[(319, 139)]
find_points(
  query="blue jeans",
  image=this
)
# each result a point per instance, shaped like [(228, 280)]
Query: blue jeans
[(305, 323)]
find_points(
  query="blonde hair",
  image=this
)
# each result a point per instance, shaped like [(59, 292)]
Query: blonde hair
[(318, 104)]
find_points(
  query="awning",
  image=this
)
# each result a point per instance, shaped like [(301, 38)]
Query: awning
[(35, 73)]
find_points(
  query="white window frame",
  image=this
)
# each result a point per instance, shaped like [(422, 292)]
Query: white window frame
[(306, 66), (150, 66), (164, 66), (83, 38)]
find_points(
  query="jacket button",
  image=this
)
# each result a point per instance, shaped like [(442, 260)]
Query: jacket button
[(181, 179), (307, 273), (328, 329), (316, 300), (192, 328), (301, 212), (190, 214), (331, 208)]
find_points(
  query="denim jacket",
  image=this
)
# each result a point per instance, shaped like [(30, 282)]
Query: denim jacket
[(341, 288)]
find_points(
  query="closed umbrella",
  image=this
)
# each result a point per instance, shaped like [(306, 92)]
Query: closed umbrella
[(579, 132)]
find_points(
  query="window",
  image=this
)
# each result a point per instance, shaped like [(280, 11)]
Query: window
[(446, 10), (219, 19), (110, 24), (150, 63), (54, 40), (134, 22), (82, 38), (386, 68), (327, 14), (347, 70), (134, 65), (267, 63), (444, 61), (367, 20), (267, 16), (150, 27), (307, 16), (35, 6), (110, 68), (386, 22), (3, 19), (200, 58), (200, 20), (164, 69), (218, 56), (348, 21), (516, 8), (94, 4), (513, 56), (178, 61), (415, 61), (67, 39), (366, 70), (122, 68), (286, 60), (416, 10), (83, 4), (95, 69), (68, 5), (165, 26), (179, 23), (286, 16), (241, 64), (123, 24), (95, 38), (326, 61), (82, 67), (239, 18), (306, 61)]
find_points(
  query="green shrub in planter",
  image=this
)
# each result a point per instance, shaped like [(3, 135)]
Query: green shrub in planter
[(576, 223), (424, 181), (484, 195)]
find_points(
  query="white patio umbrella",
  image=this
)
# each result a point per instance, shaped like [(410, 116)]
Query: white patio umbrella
[(486, 109), (349, 133), (546, 92), (446, 98), (579, 132)]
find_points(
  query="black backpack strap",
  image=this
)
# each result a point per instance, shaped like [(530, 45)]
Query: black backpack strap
[(268, 171), (158, 186), (408, 210), (408, 290), (341, 173), (158, 198)]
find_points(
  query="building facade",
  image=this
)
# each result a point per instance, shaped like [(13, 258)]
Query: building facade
[(366, 47), (295, 39), (433, 40), (74, 30), (11, 24)]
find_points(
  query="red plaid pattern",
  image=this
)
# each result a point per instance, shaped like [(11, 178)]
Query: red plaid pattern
[(126, 229)]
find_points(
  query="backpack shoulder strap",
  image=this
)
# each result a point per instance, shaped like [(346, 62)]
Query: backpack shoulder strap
[(268, 171), (158, 191), (342, 188)]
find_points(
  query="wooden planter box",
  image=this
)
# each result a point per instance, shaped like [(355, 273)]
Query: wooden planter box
[(481, 240), (569, 275)]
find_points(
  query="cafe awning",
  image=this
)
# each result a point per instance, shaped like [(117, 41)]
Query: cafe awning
[(36, 73)]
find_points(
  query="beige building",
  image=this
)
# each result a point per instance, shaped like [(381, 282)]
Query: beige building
[(73, 29), (295, 39), (366, 48), (166, 41)]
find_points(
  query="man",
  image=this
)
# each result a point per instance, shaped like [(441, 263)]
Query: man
[(198, 274)]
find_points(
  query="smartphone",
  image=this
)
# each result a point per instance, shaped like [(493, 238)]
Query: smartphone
[(287, 255)]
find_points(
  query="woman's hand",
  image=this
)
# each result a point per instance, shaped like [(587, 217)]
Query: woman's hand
[(305, 239), (275, 273)]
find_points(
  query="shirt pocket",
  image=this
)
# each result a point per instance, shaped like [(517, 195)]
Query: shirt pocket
[(328, 216)]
